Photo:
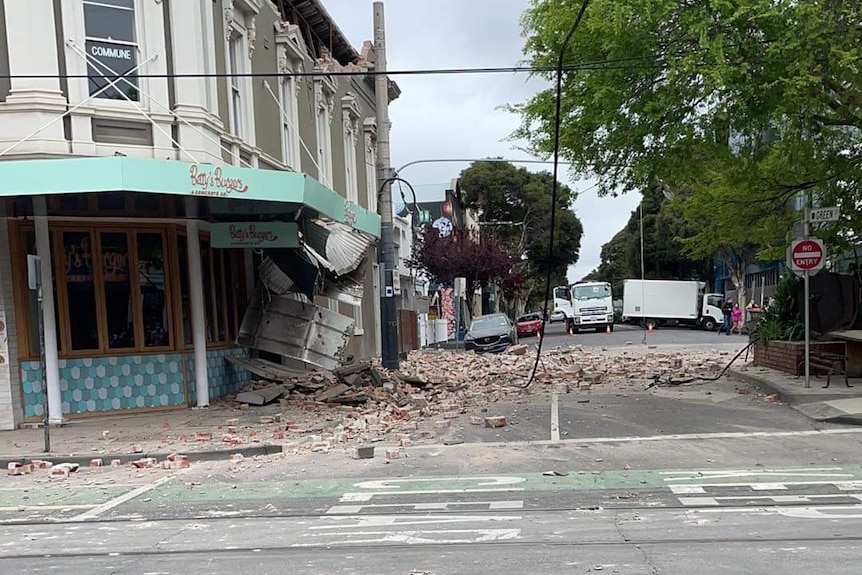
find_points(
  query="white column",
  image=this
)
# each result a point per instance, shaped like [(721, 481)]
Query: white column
[(196, 302), (52, 361)]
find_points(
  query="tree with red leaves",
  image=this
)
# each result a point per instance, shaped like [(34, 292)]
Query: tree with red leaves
[(482, 260)]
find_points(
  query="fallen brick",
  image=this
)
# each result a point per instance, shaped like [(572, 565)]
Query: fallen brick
[(95, 463), (495, 421), (476, 420), (203, 436), (393, 453), (237, 458)]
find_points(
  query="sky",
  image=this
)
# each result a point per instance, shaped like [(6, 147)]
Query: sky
[(460, 116)]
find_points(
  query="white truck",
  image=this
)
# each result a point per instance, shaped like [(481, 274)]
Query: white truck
[(586, 305), (653, 303)]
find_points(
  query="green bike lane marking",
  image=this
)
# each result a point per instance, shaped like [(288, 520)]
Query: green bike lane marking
[(512, 483), (39, 496)]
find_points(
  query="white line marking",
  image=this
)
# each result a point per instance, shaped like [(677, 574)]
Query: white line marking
[(480, 481), (29, 508), (117, 501), (415, 537), (435, 506), (635, 439), (843, 485), (686, 489), (364, 521), (555, 417), (360, 497), (738, 474), (768, 486), (713, 501)]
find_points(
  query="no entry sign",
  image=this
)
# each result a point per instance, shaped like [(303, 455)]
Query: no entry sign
[(806, 255)]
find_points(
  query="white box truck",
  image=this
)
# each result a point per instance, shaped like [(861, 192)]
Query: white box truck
[(670, 302)]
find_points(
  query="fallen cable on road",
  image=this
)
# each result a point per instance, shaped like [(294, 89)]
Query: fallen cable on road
[(657, 381)]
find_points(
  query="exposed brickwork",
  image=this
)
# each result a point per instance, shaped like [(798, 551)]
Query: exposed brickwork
[(787, 356)]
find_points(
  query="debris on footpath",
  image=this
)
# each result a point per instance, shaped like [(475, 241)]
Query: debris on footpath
[(350, 409)]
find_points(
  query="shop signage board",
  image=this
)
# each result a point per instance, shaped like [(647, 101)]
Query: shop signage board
[(254, 235)]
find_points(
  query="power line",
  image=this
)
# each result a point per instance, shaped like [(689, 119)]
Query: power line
[(558, 101), (595, 65)]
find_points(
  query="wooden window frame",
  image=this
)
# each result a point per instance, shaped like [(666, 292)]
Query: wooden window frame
[(20, 289)]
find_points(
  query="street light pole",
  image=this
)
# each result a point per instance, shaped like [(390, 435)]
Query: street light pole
[(388, 310)]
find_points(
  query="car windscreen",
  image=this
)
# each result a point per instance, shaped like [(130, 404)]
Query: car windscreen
[(488, 322), (529, 317)]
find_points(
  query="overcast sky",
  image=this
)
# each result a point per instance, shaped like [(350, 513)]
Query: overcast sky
[(459, 116)]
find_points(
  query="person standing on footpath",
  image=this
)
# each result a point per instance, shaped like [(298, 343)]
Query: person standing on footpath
[(736, 316), (727, 310)]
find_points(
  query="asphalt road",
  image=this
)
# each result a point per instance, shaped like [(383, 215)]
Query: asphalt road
[(700, 479), (632, 335)]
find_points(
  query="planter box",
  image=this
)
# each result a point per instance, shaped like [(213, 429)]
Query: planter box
[(788, 356)]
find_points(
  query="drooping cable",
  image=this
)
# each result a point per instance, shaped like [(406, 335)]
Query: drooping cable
[(554, 185)]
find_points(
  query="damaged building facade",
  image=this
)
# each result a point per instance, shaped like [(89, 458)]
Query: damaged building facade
[(182, 223)]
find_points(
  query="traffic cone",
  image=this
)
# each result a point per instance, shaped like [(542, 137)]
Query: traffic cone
[(607, 330), (649, 327), (571, 332), (538, 337)]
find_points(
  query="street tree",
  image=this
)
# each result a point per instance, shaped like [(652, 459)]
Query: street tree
[(482, 261), (664, 228), (739, 106), (516, 204)]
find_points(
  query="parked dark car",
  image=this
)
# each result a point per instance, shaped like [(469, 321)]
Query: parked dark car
[(494, 332), (529, 324)]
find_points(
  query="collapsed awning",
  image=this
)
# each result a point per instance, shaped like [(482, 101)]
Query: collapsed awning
[(225, 192), (299, 330)]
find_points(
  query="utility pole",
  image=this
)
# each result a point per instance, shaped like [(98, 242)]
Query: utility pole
[(806, 233), (388, 312)]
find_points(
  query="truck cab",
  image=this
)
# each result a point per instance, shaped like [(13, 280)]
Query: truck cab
[(586, 305), (711, 315)]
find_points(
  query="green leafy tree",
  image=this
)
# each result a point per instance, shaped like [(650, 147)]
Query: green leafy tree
[(663, 226), (739, 105), (516, 204)]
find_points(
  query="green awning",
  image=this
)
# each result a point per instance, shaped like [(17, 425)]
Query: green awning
[(224, 184)]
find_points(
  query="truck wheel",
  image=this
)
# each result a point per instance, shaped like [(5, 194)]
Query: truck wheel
[(611, 326), (708, 324)]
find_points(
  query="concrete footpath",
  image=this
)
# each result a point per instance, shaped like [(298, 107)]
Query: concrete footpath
[(200, 434), (835, 404)]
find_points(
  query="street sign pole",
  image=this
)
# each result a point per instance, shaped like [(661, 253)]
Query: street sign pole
[(806, 231)]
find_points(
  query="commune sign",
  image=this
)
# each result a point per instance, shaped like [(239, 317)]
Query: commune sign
[(806, 255)]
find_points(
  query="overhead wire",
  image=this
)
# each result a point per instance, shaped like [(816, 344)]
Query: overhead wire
[(554, 184)]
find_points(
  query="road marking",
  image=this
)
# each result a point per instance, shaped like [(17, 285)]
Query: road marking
[(358, 497), (435, 506), (364, 521), (808, 512), (555, 416), (636, 439), (707, 474), (480, 481), (419, 537), (117, 501), (686, 489), (29, 508), (714, 501)]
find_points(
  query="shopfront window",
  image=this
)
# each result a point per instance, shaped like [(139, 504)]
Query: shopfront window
[(185, 294), (117, 289), (153, 290), (111, 47), (206, 267), (79, 279)]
